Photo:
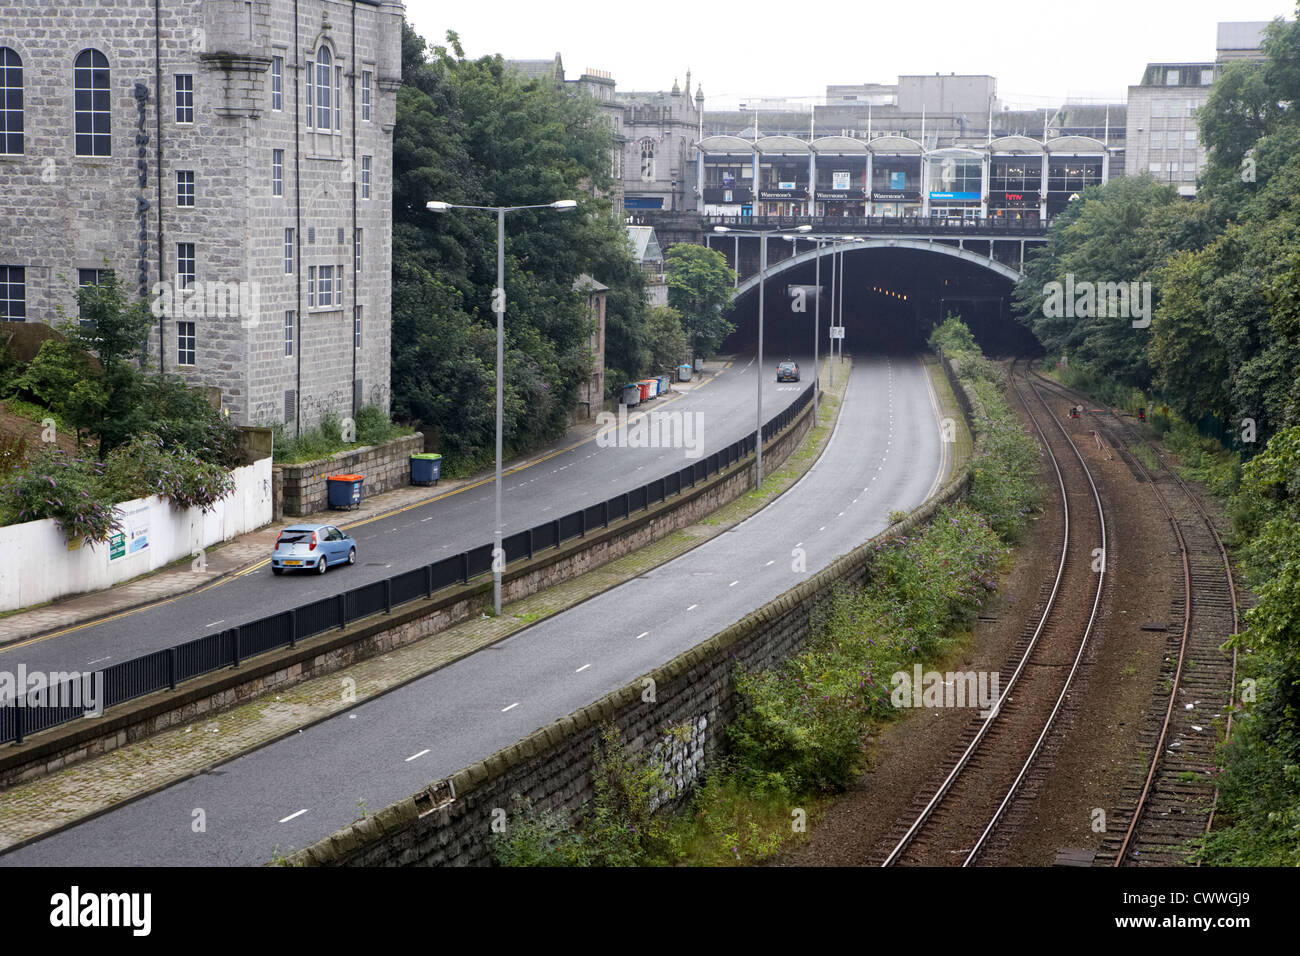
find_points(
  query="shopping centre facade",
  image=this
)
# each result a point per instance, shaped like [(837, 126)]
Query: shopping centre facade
[(1011, 177)]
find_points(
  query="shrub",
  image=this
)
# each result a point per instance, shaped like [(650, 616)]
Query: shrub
[(56, 485), (534, 838), (146, 466)]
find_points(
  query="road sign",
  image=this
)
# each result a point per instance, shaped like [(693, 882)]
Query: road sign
[(837, 331)]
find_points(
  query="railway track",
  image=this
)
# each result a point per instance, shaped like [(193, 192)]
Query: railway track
[(999, 752), (1171, 800)]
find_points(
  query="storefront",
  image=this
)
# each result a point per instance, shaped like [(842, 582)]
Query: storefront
[(784, 164), (956, 183), (726, 176), (1073, 164), (1017, 206), (840, 190), (895, 164)]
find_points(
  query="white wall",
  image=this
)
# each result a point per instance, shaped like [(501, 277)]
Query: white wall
[(37, 566)]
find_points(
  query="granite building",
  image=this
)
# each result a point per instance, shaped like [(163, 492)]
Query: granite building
[(230, 161)]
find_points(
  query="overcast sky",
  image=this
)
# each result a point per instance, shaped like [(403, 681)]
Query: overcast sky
[(1041, 51)]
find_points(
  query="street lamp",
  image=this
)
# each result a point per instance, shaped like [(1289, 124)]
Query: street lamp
[(762, 278), (499, 306)]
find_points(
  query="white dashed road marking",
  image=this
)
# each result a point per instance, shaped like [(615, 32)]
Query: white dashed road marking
[(416, 756), (292, 815), (511, 707)]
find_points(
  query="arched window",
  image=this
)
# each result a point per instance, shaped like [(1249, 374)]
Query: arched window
[(92, 108), (11, 102), (324, 76), (647, 160)]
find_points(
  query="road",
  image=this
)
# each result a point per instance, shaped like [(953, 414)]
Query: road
[(585, 474), (885, 454)]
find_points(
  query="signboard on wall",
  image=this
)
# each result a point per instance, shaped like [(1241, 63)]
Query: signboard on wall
[(840, 180), (134, 536), (956, 197)]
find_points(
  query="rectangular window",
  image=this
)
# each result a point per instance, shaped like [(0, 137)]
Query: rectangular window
[(1157, 108), (365, 177), (1207, 77), (311, 235), (288, 252), (185, 264), (310, 84), (1171, 78), (185, 187), (365, 94), (277, 172), (89, 278), (325, 291), (356, 327), (1189, 137), (288, 332), (311, 287), (338, 98), (357, 263), (1157, 139), (11, 103), (339, 234), (277, 82), (185, 343), (339, 297), (13, 293), (1153, 169), (184, 98)]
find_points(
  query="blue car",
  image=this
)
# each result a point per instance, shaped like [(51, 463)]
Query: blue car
[(312, 547)]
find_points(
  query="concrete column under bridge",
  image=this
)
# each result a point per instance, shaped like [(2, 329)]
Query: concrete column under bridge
[(896, 290)]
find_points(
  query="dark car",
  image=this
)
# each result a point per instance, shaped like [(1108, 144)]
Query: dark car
[(787, 372)]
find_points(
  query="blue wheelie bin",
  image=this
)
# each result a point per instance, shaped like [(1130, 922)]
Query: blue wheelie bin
[(426, 468), (344, 490)]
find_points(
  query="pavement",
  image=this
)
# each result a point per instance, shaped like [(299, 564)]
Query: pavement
[(249, 552), (418, 715)]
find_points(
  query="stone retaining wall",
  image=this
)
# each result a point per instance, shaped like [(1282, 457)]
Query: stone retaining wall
[(301, 489)]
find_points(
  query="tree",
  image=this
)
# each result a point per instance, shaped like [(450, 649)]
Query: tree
[(699, 287), (474, 132), (666, 338)]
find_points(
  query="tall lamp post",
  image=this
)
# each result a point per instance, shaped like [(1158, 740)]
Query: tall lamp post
[(761, 235), (499, 306)]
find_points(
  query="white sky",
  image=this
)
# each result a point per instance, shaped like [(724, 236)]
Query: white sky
[(1041, 51)]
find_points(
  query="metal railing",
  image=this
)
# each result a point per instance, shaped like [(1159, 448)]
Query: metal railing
[(165, 669)]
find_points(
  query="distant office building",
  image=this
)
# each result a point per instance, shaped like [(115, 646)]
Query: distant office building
[(231, 163), (1162, 137)]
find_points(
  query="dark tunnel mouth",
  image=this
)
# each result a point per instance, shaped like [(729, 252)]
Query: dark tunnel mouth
[(892, 299)]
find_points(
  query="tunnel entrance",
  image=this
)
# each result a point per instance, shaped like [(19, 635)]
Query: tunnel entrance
[(893, 298)]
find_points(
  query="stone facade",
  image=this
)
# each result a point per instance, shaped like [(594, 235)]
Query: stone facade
[(65, 212), (302, 489), (659, 133)]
